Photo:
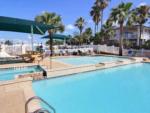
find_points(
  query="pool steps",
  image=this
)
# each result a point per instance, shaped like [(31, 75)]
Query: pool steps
[(40, 110)]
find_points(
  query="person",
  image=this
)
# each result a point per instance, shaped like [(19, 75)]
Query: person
[(41, 48)]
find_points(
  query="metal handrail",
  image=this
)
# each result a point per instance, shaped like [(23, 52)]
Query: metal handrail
[(41, 110), (37, 98)]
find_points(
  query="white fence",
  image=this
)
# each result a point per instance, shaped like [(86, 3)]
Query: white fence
[(21, 49), (115, 50), (17, 49), (106, 49)]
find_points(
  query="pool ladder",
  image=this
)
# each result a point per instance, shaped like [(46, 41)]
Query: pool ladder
[(41, 110)]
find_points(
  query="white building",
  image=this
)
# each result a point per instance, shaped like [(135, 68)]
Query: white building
[(132, 33)]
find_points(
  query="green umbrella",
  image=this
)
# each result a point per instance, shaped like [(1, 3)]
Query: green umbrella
[(24, 26), (57, 36)]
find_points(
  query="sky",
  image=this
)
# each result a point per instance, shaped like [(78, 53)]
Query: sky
[(69, 10)]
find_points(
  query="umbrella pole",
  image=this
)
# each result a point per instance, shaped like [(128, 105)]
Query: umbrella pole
[(32, 37), (51, 49)]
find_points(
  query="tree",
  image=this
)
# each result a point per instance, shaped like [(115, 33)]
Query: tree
[(8, 42), (119, 15), (102, 4), (95, 13), (55, 42), (77, 40), (147, 45), (107, 31), (87, 35), (139, 16), (97, 39), (51, 19), (80, 24)]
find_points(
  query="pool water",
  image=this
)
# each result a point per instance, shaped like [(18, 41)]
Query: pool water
[(10, 73), (124, 89), (88, 59)]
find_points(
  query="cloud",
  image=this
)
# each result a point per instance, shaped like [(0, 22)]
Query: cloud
[(70, 27), (90, 21), (142, 4)]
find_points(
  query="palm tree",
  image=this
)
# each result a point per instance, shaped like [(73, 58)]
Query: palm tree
[(80, 24), (119, 15), (87, 35), (77, 40), (107, 31), (140, 16), (102, 4), (95, 13), (51, 19)]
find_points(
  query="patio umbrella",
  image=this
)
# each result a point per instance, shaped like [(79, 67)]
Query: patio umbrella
[(24, 26), (57, 36)]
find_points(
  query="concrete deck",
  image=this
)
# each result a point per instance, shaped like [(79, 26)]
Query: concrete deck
[(14, 94), (55, 64)]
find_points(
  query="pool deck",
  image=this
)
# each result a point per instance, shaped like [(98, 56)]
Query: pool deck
[(15, 93), (55, 64), (45, 63)]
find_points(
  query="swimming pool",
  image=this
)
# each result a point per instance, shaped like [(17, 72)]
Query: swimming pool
[(88, 59), (124, 89), (10, 73)]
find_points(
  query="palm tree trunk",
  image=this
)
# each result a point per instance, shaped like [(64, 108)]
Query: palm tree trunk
[(51, 43), (80, 37), (95, 29), (121, 40), (101, 19), (51, 47)]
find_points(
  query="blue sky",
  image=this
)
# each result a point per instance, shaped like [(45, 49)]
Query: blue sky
[(69, 10)]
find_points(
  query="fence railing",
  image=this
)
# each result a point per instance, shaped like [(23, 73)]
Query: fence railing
[(127, 52), (17, 49), (22, 49)]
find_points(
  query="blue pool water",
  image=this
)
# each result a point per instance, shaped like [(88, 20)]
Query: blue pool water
[(88, 59), (10, 73), (123, 89)]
